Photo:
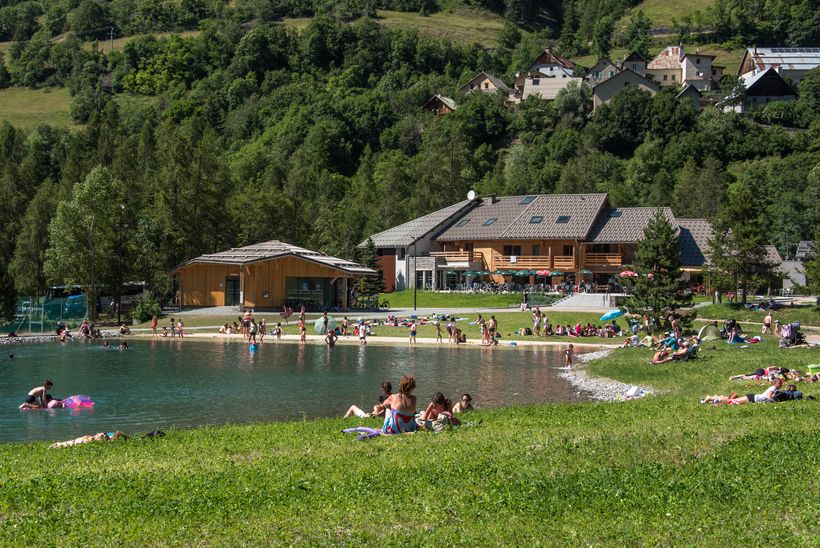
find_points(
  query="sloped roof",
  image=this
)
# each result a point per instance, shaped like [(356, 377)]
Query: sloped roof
[(688, 90), (275, 249), (515, 218), (773, 256), (667, 59), (767, 82), (787, 58), (547, 57), (805, 250), (693, 240), (634, 56), (450, 103), (480, 76), (407, 233), (625, 73), (602, 62), (625, 224)]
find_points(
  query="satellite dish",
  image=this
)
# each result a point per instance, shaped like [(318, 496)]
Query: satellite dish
[(471, 195)]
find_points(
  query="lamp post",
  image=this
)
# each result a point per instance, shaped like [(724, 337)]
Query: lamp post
[(119, 264), (415, 276)]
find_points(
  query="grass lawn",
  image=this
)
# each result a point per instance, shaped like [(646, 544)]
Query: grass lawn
[(434, 299), (807, 315), (661, 12), (459, 25), (26, 108), (661, 471)]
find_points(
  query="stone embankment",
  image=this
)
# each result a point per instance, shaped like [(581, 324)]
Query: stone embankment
[(598, 388), (34, 339)]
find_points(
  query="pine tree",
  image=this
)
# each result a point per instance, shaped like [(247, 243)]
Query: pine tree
[(371, 285), (737, 247), (658, 290)]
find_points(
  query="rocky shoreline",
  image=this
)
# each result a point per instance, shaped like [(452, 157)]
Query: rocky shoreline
[(35, 339), (598, 388)]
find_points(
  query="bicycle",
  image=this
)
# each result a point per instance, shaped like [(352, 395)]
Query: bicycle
[(372, 303)]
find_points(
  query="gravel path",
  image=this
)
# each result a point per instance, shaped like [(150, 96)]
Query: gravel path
[(599, 388), (34, 339)]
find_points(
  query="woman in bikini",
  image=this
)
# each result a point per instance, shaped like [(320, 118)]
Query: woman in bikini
[(400, 409)]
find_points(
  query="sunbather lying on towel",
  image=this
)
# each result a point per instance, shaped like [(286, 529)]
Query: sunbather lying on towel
[(102, 436), (733, 399)]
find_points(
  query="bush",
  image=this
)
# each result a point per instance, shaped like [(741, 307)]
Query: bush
[(146, 308)]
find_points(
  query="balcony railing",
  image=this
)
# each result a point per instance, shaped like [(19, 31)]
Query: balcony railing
[(459, 256), (603, 259), (563, 262), (533, 262)]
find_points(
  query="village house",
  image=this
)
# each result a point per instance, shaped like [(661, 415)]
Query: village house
[(510, 238), (606, 90), (545, 78), (791, 63), (486, 83), (439, 105), (673, 66), (761, 88), (267, 275), (602, 70), (692, 93)]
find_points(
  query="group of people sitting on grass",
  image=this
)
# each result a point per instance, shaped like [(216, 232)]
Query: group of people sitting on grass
[(399, 409)]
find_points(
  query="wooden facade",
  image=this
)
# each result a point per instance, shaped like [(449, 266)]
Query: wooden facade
[(262, 284)]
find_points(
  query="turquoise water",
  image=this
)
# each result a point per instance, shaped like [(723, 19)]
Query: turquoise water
[(171, 383)]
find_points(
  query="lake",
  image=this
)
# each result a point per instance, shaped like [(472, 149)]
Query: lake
[(160, 384)]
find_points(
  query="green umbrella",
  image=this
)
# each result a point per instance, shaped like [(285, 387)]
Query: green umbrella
[(472, 272), (484, 272), (452, 272), (556, 273), (585, 271)]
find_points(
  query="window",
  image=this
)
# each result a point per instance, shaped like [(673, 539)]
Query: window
[(697, 60), (536, 250), (635, 66), (490, 221), (568, 251), (535, 219), (486, 85), (611, 73), (526, 200), (664, 78), (562, 219), (468, 247), (512, 250), (462, 222), (596, 74), (536, 81), (673, 77), (401, 253)]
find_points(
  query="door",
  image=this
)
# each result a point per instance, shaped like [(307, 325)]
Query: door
[(232, 292)]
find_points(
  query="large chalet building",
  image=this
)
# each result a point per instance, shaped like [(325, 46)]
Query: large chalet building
[(509, 238)]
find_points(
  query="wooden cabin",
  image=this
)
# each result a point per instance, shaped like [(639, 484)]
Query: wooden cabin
[(268, 275)]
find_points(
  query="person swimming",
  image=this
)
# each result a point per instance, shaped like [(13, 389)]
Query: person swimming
[(37, 396)]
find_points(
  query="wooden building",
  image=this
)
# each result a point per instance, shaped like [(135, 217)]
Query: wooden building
[(438, 105), (268, 275)]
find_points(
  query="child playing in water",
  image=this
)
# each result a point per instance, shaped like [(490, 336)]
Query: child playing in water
[(413, 329), (438, 332), (570, 353), (277, 331), (302, 330), (36, 397)]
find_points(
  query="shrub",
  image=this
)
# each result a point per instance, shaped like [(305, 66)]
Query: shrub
[(146, 308)]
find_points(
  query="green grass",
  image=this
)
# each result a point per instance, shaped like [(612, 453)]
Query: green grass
[(27, 108), (462, 24), (660, 471), (661, 12), (459, 25), (435, 299), (807, 315), (119, 43)]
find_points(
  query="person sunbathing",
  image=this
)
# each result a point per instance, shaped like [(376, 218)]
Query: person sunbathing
[(101, 436), (464, 404), (436, 406), (733, 399), (378, 409), (664, 356)]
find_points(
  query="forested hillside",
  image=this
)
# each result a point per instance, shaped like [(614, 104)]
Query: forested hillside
[(250, 130)]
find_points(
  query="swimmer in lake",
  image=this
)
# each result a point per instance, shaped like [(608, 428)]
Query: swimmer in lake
[(330, 338), (36, 397)]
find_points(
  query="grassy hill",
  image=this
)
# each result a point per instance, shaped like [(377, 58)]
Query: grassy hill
[(662, 11), (27, 108), (461, 24)]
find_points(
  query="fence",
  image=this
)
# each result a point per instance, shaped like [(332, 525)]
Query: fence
[(42, 314)]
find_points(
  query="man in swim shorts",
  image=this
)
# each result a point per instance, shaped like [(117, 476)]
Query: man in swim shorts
[(37, 396)]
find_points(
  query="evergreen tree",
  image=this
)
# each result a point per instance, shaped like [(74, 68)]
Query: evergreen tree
[(658, 290), (602, 36), (371, 285), (812, 268), (737, 246), (637, 35)]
